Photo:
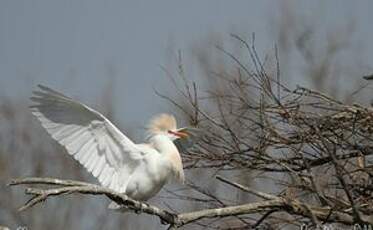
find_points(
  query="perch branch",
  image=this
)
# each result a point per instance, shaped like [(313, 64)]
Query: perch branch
[(271, 203), (70, 186)]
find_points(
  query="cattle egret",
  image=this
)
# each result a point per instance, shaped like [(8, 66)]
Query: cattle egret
[(138, 170)]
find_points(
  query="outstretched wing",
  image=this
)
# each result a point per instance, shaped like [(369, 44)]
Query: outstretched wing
[(88, 136)]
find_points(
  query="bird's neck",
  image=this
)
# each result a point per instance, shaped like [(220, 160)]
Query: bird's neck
[(165, 146)]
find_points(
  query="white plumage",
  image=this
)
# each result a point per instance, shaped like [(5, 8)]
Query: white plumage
[(139, 170)]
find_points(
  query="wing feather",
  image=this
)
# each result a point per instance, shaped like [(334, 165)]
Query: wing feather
[(88, 155), (106, 175), (81, 135), (100, 165), (88, 136), (83, 149)]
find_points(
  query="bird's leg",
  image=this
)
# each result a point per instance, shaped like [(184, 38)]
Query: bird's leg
[(140, 207)]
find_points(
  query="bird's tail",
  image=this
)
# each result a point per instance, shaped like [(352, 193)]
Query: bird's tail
[(116, 207)]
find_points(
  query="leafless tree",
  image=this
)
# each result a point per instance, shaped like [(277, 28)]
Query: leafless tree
[(311, 149), (270, 155)]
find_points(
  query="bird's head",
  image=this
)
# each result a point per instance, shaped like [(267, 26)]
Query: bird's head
[(165, 124)]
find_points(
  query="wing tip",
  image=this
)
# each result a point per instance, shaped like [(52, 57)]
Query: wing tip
[(45, 90), (43, 87)]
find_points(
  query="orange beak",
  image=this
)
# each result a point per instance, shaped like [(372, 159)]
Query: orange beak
[(178, 134)]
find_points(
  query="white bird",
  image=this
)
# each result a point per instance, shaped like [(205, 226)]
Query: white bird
[(138, 170)]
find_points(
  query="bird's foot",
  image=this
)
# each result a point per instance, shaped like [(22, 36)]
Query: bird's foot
[(139, 208)]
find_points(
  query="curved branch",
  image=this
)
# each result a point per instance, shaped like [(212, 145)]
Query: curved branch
[(271, 203), (70, 186)]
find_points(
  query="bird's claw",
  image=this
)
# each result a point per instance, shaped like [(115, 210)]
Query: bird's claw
[(139, 208)]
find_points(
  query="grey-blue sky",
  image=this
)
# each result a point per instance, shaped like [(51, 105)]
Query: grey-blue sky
[(70, 44)]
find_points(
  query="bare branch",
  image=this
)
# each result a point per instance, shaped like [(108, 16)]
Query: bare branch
[(263, 195), (70, 187), (271, 204)]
